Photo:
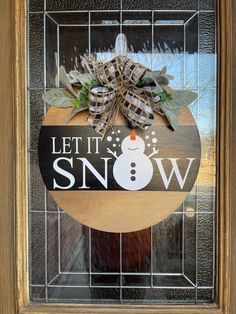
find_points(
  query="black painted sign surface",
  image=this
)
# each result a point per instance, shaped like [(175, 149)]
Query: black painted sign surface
[(157, 159)]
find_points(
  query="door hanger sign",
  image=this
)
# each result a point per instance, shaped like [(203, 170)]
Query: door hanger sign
[(128, 152), (129, 180)]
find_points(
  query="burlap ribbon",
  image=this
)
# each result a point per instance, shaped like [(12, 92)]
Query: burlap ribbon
[(119, 78)]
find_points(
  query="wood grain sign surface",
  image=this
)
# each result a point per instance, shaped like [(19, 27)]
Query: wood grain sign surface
[(127, 181)]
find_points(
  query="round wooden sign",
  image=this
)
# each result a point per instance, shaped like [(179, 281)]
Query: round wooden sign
[(125, 182)]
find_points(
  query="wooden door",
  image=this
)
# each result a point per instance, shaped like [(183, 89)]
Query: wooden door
[(15, 268)]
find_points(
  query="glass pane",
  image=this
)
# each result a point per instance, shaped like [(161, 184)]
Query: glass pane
[(172, 262)]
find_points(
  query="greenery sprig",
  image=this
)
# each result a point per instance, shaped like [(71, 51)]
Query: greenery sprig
[(82, 99), (167, 104), (164, 96)]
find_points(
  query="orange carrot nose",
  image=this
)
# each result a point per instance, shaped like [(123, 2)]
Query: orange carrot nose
[(133, 135)]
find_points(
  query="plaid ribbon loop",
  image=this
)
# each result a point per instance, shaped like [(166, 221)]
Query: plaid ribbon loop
[(119, 78), (101, 99)]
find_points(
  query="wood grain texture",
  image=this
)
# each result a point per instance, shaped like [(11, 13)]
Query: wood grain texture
[(7, 160), (224, 161), (111, 213), (21, 176), (56, 116), (13, 254), (124, 309), (233, 169)]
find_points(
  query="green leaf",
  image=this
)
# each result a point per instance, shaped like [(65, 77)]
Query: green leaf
[(82, 100), (181, 99), (86, 85), (94, 83), (65, 80), (57, 98), (164, 96), (82, 96), (76, 103)]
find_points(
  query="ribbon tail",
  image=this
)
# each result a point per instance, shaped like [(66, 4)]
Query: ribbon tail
[(89, 65), (157, 108)]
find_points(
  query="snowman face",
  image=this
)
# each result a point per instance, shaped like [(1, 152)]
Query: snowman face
[(133, 146)]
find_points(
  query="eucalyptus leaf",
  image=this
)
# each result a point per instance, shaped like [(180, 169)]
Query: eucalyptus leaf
[(180, 99), (164, 70), (171, 116), (74, 113), (158, 73), (149, 76), (74, 73), (171, 108), (85, 65), (65, 80), (85, 78), (162, 79), (58, 98), (73, 77)]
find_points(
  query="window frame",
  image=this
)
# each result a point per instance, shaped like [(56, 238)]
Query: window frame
[(14, 295)]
